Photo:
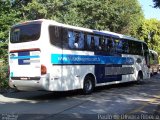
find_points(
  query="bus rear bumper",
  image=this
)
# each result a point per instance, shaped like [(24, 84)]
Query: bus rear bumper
[(29, 85)]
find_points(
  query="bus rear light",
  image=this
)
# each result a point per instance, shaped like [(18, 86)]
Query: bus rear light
[(43, 69)]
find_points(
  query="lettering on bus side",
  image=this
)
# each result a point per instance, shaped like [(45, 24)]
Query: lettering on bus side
[(90, 59)]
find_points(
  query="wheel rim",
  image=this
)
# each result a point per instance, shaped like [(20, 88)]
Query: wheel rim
[(88, 85)]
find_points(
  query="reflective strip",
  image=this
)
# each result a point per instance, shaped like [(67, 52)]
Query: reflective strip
[(25, 57)]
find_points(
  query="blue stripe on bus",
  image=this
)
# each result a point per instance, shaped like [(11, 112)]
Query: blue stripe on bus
[(25, 57), (90, 59)]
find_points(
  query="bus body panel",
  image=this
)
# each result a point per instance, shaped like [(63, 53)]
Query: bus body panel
[(22, 62), (67, 69), (68, 75), (25, 63), (139, 65)]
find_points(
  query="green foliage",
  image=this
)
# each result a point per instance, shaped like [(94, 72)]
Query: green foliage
[(3, 76), (116, 16), (149, 31), (8, 17), (3, 51), (3, 66)]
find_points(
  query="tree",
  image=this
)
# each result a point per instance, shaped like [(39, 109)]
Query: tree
[(11, 12), (156, 3), (116, 16), (113, 15), (8, 17), (149, 31)]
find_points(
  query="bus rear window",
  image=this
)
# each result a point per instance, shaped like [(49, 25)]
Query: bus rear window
[(25, 33)]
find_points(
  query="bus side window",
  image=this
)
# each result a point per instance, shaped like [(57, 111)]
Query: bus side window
[(134, 47), (90, 42), (131, 47), (92, 45), (65, 38), (110, 45), (15, 35), (71, 39), (76, 40), (96, 40), (55, 35), (113, 46), (80, 41), (118, 46), (138, 48), (125, 47), (106, 43), (102, 43), (85, 41)]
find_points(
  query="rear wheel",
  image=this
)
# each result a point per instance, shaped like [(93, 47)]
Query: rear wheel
[(139, 78), (88, 85)]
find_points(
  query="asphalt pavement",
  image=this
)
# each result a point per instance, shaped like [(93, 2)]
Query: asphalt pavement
[(124, 101)]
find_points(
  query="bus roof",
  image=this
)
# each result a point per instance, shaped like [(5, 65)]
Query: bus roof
[(105, 33), (52, 22), (123, 36)]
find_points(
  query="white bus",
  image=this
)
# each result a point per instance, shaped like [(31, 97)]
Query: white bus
[(154, 63), (47, 55)]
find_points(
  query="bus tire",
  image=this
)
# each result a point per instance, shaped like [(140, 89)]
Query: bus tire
[(151, 74), (140, 77), (88, 85)]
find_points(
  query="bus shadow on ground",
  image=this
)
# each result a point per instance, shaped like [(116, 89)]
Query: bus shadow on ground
[(45, 95)]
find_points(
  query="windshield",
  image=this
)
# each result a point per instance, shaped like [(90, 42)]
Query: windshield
[(25, 33)]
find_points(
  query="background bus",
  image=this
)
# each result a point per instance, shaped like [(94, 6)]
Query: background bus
[(47, 55), (154, 63)]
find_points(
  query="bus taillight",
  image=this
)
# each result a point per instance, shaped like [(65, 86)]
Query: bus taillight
[(43, 69)]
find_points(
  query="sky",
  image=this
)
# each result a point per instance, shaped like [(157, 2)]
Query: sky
[(149, 11)]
